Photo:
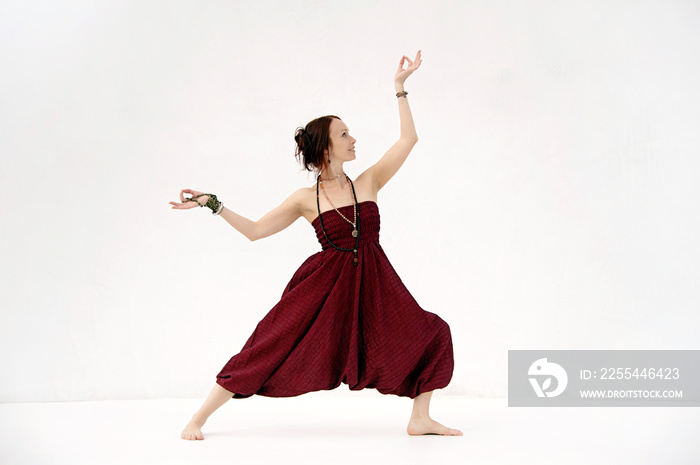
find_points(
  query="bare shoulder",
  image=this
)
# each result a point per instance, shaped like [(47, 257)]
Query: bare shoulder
[(365, 186), (305, 198)]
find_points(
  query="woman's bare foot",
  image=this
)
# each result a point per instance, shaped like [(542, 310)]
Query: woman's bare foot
[(217, 397), (422, 426), (193, 431)]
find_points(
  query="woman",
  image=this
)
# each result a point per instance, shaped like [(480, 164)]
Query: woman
[(345, 316)]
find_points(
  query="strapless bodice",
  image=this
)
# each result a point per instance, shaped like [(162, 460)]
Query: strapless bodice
[(339, 231)]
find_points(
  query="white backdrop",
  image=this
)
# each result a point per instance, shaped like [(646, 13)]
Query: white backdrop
[(548, 205)]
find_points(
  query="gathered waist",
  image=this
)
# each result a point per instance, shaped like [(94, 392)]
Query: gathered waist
[(349, 245)]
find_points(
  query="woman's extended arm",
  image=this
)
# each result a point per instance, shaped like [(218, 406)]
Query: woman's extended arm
[(272, 222), (382, 171)]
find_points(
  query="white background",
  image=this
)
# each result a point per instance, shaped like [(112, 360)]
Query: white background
[(551, 202)]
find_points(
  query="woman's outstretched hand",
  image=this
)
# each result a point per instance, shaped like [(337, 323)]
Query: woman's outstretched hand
[(186, 204), (403, 73)]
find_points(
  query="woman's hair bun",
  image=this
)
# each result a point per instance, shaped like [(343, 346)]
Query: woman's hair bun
[(312, 141), (301, 138)]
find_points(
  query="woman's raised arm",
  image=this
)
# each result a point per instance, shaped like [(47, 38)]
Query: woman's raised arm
[(382, 171), (271, 223)]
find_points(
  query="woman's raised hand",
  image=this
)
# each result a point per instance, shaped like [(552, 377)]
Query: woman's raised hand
[(403, 73), (185, 203)]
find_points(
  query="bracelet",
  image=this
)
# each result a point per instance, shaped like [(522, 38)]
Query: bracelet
[(213, 203), (220, 209), (403, 93)]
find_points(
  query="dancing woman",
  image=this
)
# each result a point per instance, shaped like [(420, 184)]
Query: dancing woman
[(345, 316)]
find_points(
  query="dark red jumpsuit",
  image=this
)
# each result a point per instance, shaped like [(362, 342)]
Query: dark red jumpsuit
[(339, 322)]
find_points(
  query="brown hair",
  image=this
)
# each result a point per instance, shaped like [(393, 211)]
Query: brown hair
[(312, 140)]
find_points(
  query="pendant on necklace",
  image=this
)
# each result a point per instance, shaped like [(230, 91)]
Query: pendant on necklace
[(354, 233)]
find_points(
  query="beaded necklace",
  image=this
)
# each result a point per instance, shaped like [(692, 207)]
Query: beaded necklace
[(353, 223), (356, 224), (335, 177)]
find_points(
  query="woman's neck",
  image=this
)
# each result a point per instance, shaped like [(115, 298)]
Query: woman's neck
[(333, 175)]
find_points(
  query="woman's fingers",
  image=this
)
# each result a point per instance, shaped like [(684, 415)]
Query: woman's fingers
[(411, 65), (185, 202), (417, 61), (403, 60), (192, 192), (183, 206)]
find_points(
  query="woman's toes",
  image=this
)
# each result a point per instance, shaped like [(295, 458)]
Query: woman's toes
[(431, 427)]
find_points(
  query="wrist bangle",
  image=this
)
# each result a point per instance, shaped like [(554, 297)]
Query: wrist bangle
[(403, 93)]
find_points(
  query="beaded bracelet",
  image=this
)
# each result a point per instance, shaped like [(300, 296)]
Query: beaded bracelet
[(219, 210), (403, 93), (213, 203)]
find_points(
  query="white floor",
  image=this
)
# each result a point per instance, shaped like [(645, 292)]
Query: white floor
[(347, 428)]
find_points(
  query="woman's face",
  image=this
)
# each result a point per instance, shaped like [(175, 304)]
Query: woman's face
[(342, 145)]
